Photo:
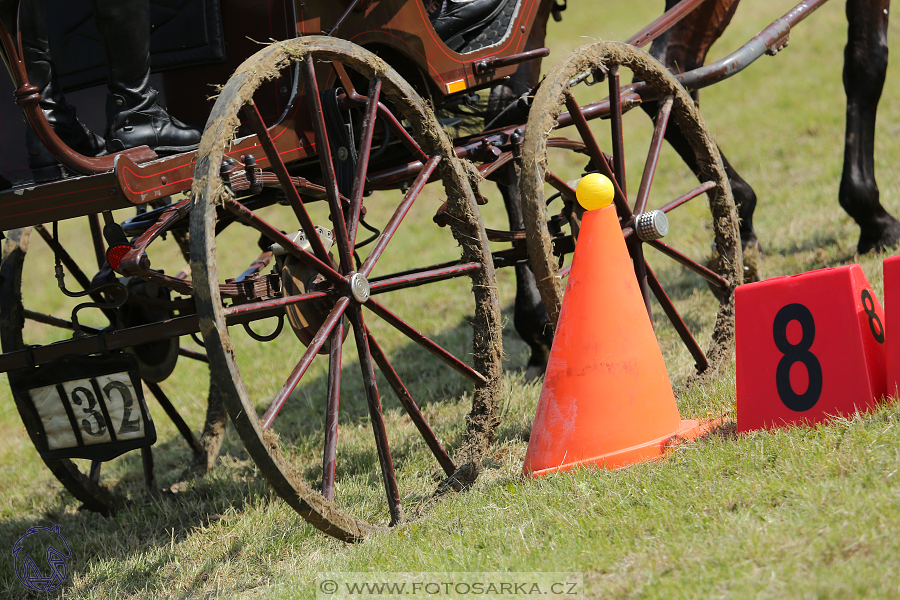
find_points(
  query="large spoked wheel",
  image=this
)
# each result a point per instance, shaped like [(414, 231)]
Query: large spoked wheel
[(325, 288), (564, 140), (102, 486)]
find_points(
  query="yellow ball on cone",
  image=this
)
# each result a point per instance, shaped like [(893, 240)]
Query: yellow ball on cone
[(595, 191)]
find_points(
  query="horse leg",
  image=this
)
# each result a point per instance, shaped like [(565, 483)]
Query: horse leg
[(684, 48), (530, 317), (865, 65)]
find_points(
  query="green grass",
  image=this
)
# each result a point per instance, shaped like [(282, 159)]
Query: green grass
[(798, 513)]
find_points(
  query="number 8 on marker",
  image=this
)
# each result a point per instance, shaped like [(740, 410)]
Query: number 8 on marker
[(869, 309), (794, 353)]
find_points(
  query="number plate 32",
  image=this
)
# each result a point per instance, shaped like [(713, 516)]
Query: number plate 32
[(85, 407)]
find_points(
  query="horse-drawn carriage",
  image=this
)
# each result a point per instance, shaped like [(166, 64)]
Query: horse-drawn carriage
[(288, 212)]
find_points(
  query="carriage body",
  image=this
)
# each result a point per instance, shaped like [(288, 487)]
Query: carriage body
[(150, 311), (398, 29), (392, 72)]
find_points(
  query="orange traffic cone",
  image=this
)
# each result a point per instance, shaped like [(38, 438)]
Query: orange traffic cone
[(607, 399)]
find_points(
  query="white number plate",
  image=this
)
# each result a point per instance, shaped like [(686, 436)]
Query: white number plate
[(118, 396)]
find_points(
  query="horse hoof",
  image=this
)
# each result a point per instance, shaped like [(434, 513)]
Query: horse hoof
[(534, 372), (751, 252), (886, 236)]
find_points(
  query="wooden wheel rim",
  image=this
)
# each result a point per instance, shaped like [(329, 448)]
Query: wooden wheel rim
[(547, 107), (208, 192)]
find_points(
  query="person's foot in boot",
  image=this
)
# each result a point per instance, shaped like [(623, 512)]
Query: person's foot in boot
[(146, 123), (61, 116), (133, 118)]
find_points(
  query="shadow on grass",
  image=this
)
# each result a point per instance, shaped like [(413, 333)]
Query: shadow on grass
[(145, 525), (149, 523), (814, 241)]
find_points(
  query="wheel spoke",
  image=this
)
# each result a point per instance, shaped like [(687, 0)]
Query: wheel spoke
[(149, 471), (362, 164), (324, 331), (409, 404), (55, 321), (323, 150), (267, 308), (251, 219), (403, 281), (659, 132), (597, 155), (405, 328), (176, 418), (615, 120), (560, 186), (704, 187), (636, 250), (689, 263), (677, 322), (331, 410), (97, 237), (398, 130), (398, 215), (375, 415), (284, 178), (193, 355), (94, 473)]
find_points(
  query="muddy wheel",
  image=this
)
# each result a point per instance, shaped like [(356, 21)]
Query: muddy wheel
[(100, 488), (563, 141), (325, 287)]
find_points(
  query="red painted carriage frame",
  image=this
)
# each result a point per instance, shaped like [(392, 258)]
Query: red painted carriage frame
[(401, 30), (137, 176)]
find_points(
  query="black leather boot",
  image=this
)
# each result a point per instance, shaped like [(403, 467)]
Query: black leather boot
[(61, 116), (133, 118)]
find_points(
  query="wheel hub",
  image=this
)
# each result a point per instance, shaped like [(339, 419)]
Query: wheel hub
[(359, 287)]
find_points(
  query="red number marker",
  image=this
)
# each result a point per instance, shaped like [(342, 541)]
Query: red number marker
[(809, 347)]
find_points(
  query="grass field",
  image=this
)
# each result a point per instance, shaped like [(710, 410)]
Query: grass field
[(800, 513)]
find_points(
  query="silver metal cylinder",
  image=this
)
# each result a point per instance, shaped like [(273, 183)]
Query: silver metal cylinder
[(651, 225), (359, 287)]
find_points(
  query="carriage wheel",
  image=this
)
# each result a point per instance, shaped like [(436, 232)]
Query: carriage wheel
[(559, 136), (339, 287), (87, 480)]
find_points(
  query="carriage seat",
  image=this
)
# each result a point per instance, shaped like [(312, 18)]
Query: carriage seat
[(469, 25), (183, 33)]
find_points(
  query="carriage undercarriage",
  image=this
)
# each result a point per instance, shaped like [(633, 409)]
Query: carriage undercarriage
[(271, 222)]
